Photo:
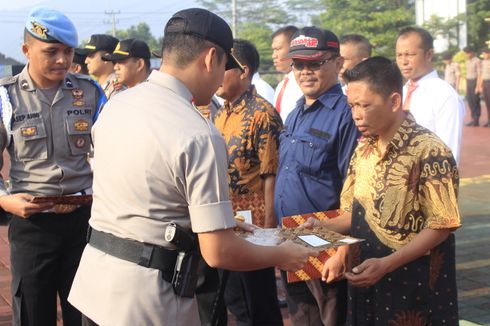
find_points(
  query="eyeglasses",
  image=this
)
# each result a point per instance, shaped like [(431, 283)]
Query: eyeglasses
[(313, 65)]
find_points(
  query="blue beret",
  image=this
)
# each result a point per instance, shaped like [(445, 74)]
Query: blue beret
[(51, 26)]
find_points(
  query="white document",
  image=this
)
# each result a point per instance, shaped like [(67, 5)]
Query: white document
[(313, 240)]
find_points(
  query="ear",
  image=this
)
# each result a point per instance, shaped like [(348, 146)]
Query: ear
[(246, 73), (396, 101), (339, 62), (25, 50), (429, 54), (140, 64), (210, 59)]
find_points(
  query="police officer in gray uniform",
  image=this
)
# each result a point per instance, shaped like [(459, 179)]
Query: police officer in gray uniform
[(154, 214), (47, 115)]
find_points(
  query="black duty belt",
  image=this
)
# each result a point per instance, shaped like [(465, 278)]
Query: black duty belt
[(143, 254)]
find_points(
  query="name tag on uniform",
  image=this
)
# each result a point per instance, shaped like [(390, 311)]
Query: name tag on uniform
[(28, 131), (319, 133)]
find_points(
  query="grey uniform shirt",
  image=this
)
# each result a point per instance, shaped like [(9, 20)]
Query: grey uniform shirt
[(156, 160), (49, 141)]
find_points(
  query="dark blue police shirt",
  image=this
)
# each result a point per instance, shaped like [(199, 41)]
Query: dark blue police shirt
[(315, 148)]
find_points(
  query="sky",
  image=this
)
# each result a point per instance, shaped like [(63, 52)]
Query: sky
[(89, 17)]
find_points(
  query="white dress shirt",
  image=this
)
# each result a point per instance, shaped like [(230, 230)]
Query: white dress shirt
[(291, 95), (436, 106), (263, 88)]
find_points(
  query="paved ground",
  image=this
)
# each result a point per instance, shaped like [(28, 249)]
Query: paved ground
[(473, 240)]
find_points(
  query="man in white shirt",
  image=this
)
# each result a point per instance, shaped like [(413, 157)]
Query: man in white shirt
[(263, 88), (287, 91), (433, 102)]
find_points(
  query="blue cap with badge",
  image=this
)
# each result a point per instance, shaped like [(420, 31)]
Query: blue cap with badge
[(51, 26)]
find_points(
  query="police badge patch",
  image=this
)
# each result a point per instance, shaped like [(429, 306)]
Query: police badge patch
[(77, 94), (28, 131), (81, 125), (80, 142), (39, 30)]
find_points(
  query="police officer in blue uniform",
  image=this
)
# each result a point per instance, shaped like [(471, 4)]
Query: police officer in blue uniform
[(47, 114)]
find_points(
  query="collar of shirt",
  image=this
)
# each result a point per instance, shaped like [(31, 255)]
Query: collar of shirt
[(327, 99), (242, 102), (27, 84), (431, 75), (110, 81), (396, 142), (170, 82)]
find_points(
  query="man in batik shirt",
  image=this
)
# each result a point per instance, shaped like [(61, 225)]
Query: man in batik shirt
[(250, 126), (400, 195)]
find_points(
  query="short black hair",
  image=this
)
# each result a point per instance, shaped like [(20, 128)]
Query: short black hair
[(468, 49), (287, 31), (185, 48), (382, 74), (362, 43), (427, 40), (247, 54), (147, 64)]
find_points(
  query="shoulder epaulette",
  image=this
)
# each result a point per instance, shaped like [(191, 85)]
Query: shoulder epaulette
[(8, 80)]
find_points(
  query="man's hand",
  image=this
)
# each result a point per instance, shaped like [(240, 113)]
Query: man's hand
[(20, 205), (245, 226), (335, 267), (311, 223), (295, 256), (368, 273)]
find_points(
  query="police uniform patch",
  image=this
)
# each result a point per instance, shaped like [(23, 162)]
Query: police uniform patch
[(80, 142), (78, 95), (39, 30), (28, 131), (79, 103), (81, 125)]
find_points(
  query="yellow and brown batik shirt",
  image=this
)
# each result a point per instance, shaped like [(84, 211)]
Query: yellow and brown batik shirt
[(251, 129), (412, 186)]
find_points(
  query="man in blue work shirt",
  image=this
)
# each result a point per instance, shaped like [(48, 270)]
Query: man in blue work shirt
[(315, 148)]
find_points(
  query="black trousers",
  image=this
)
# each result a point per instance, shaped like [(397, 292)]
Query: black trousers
[(209, 296), (473, 100), (45, 251), (252, 297), (316, 302), (486, 97)]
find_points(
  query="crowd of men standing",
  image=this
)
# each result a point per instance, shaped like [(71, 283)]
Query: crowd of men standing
[(172, 149)]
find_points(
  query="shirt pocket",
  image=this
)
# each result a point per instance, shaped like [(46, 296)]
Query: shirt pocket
[(310, 153), (78, 130), (31, 141)]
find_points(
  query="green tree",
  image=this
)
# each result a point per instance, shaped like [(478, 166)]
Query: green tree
[(140, 32), (377, 20), (303, 10), (444, 27), (256, 22), (478, 28), (260, 35), (265, 12)]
